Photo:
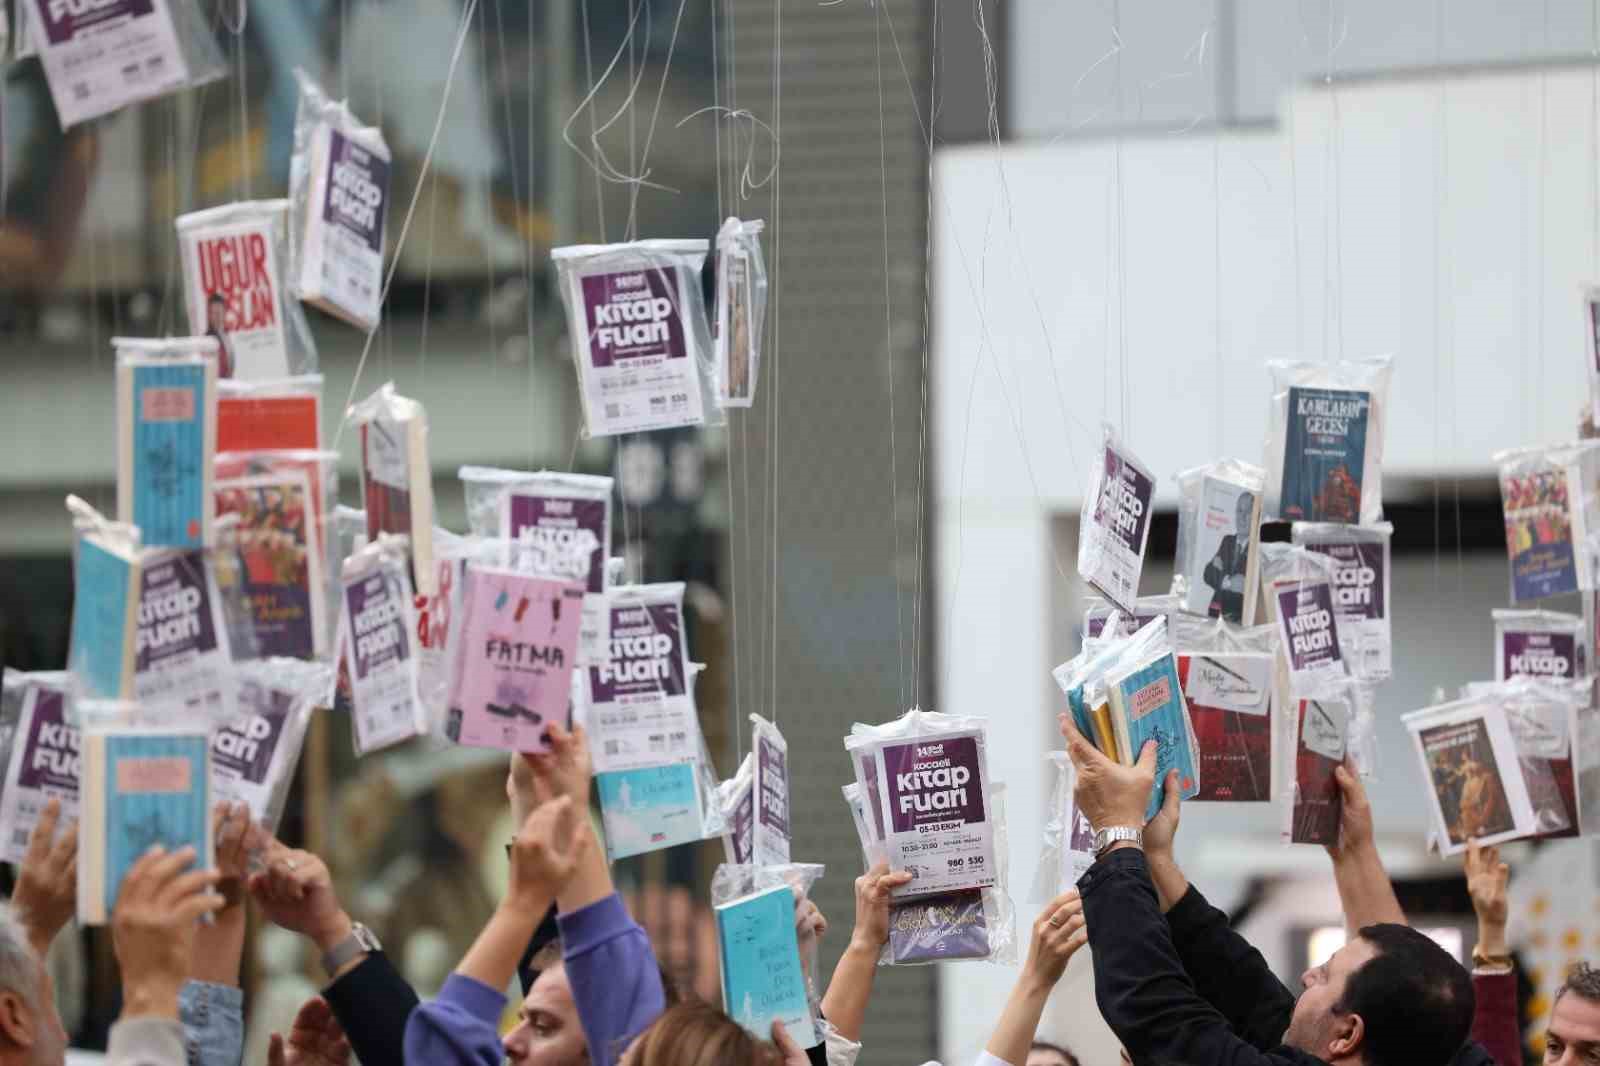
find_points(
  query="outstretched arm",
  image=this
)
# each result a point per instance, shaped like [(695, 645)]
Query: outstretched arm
[(1494, 980), (1364, 888), (845, 1002), (1058, 933)]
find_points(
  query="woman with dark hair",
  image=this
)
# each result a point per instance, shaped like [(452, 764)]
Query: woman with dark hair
[(698, 1034), (1044, 1053)]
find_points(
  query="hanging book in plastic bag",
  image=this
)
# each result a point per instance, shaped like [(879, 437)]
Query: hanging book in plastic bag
[(99, 57), (1551, 512), (283, 560), (1360, 590), (930, 772), (396, 477), (235, 263), (1590, 299), (1219, 519), (43, 757), (640, 340), (1146, 609), (1325, 436), (557, 525), (770, 844), (768, 970), (1317, 739), (1547, 644), (166, 437), (741, 311), (183, 652), (1114, 528), (1068, 849), (1229, 697), (512, 658), (378, 626), (285, 413), (253, 759), (339, 194), (146, 781), (1298, 584), (107, 566), (736, 799)]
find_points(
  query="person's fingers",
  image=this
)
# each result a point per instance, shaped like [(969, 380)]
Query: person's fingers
[(43, 836), (1069, 896), (1079, 750), (181, 888), (275, 1050), (1147, 757), (191, 909), (785, 1042), (879, 868), (169, 865), (64, 856), (1474, 855), (1170, 799)]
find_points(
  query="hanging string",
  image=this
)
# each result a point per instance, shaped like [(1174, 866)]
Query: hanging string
[(487, 308), (777, 322), (236, 28), (1216, 246), (594, 130), (888, 366), (922, 410), (1122, 229), (1544, 158), (1440, 192), (416, 194)]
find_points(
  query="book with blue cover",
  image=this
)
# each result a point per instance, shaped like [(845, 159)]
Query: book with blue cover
[(1147, 704), (166, 440), (106, 583), (650, 807), (140, 787), (1325, 454), (762, 980)]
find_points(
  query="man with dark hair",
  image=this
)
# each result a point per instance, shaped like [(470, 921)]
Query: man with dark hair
[(216, 326), (1573, 1038), (1186, 989)]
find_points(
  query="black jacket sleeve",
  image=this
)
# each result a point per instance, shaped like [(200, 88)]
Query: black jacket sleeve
[(1228, 973), (373, 1002), (1139, 981)]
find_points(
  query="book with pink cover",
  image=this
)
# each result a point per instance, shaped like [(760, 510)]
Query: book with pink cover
[(514, 660)]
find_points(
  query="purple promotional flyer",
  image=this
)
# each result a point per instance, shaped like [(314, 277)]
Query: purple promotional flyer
[(179, 655), (384, 698), (633, 315), (377, 622), (561, 536), (99, 55), (641, 710), (1360, 600), (45, 763), (772, 800), (243, 753), (934, 792), (1539, 654), (646, 654), (1306, 624), (358, 182)]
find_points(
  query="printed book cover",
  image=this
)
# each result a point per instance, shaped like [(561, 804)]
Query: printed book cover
[(762, 981), (181, 652), (1319, 750), (234, 292), (650, 808), (248, 422), (397, 488), (140, 788), (1222, 568), (1147, 704), (1325, 454), (276, 565), (1468, 780), (1120, 527), (44, 765), (936, 928), (1230, 702), (105, 613), (166, 416), (1539, 539)]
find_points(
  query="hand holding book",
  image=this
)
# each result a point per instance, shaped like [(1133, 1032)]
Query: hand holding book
[(153, 927), (1108, 793)]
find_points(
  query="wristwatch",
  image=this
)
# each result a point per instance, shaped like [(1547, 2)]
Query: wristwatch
[(360, 941), (1104, 838)]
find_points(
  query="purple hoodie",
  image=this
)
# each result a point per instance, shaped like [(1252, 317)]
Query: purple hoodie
[(615, 984)]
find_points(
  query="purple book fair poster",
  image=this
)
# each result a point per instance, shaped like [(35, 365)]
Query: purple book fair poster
[(564, 536), (633, 315), (937, 822), (44, 763), (1305, 618), (1540, 654), (645, 654), (357, 182)]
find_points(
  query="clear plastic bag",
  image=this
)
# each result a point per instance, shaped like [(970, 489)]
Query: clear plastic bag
[(183, 650), (166, 438), (736, 799), (396, 477), (106, 566), (1325, 438), (339, 195), (1360, 590), (439, 615), (42, 756), (285, 560), (1068, 848), (266, 415), (378, 622), (99, 61), (1552, 514), (1298, 588), (350, 536), (556, 524), (741, 312), (769, 965), (1590, 298), (1146, 609), (253, 760), (1219, 520), (235, 269), (930, 773), (1543, 716), (1114, 525), (145, 780), (639, 307), (1537, 643), (511, 658), (772, 831), (1316, 736)]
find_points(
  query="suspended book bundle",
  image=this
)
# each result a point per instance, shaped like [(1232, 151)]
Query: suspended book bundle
[(741, 311), (1114, 526), (1360, 556), (235, 259), (1325, 435), (261, 415), (1146, 609), (42, 757), (378, 629), (1219, 515), (107, 579), (100, 56), (339, 195), (1068, 837), (166, 438), (764, 979), (1551, 511), (1229, 697), (1547, 644), (253, 757), (1299, 587), (771, 831), (637, 319), (1319, 738), (396, 477)]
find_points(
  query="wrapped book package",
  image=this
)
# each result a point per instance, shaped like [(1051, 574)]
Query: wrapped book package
[(741, 311), (1219, 519), (396, 477), (1115, 523), (1537, 643), (1325, 436), (1552, 514), (378, 627), (1361, 599)]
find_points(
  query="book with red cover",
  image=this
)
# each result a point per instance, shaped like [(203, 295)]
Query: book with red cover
[(1319, 749), (258, 421), (1230, 707)]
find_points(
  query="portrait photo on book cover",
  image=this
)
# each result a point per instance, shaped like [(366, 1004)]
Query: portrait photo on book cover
[(1226, 549), (1466, 779)]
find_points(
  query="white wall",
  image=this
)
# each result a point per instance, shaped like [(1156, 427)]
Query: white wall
[(1456, 241)]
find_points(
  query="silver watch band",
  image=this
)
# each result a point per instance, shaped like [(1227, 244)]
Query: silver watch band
[(360, 941), (1104, 838)]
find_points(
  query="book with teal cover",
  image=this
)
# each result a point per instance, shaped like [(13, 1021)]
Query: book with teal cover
[(104, 608), (140, 788), (650, 808), (762, 981), (168, 442), (1148, 704)]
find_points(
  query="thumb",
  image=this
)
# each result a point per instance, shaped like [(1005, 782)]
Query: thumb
[(1147, 758), (275, 1050), (1170, 801), (785, 1042)]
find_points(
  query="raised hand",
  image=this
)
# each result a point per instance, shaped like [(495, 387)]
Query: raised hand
[(1355, 814), (1058, 933), (315, 1040), (544, 855), (1108, 793), (47, 884), (793, 1054), (564, 770), (872, 905), (240, 841), (1487, 877), (295, 891), (153, 928)]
